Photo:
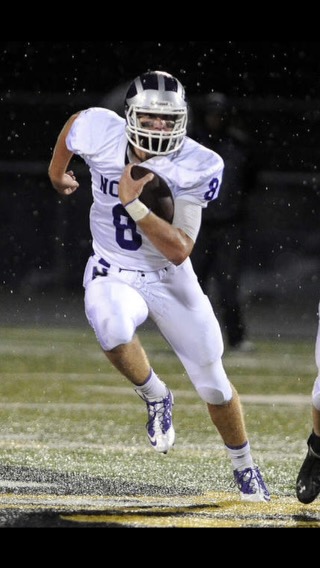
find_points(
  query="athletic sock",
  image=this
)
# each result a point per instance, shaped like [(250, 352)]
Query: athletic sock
[(240, 456), (153, 388)]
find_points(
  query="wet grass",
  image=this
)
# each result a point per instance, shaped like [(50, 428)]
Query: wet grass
[(63, 408)]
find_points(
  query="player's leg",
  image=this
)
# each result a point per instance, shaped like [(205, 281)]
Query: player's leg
[(316, 386), (308, 480), (316, 420), (131, 360), (229, 421), (189, 324), (114, 310)]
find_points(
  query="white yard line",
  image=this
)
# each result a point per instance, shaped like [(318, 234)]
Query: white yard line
[(287, 399)]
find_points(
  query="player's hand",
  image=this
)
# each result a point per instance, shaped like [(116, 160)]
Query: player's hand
[(130, 189), (67, 185)]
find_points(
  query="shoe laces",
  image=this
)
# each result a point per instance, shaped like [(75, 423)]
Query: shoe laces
[(160, 409), (249, 480)]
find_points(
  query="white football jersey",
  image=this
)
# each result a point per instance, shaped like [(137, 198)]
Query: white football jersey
[(193, 173)]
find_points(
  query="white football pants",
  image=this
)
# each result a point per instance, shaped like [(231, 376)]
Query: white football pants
[(117, 302)]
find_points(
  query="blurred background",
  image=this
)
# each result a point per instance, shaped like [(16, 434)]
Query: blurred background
[(273, 96)]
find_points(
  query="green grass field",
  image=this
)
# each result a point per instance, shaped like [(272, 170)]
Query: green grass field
[(73, 441)]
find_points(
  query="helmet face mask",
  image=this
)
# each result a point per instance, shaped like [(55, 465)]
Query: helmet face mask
[(156, 95)]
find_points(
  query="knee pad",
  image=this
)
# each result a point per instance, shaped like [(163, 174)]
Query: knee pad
[(212, 384), (316, 394), (111, 333), (213, 395)]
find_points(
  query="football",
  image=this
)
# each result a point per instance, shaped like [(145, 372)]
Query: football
[(156, 194)]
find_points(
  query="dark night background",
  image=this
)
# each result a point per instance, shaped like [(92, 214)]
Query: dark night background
[(275, 87)]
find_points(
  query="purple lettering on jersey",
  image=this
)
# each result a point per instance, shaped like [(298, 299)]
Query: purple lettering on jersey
[(213, 185), (103, 184)]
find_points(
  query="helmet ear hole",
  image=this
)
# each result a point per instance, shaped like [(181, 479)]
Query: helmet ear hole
[(157, 94)]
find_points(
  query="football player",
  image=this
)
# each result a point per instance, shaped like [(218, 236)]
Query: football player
[(140, 266)]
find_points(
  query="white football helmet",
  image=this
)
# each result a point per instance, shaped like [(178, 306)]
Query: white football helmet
[(157, 94)]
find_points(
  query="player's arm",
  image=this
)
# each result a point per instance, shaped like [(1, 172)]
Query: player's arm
[(174, 241), (171, 240), (62, 180)]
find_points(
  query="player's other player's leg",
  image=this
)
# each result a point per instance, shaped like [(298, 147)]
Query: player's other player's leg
[(308, 480)]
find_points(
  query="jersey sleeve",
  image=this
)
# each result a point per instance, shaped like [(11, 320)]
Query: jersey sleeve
[(195, 175), (90, 131)]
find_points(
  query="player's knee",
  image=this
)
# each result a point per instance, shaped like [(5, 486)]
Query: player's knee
[(212, 395), (111, 334), (316, 394), (212, 383)]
